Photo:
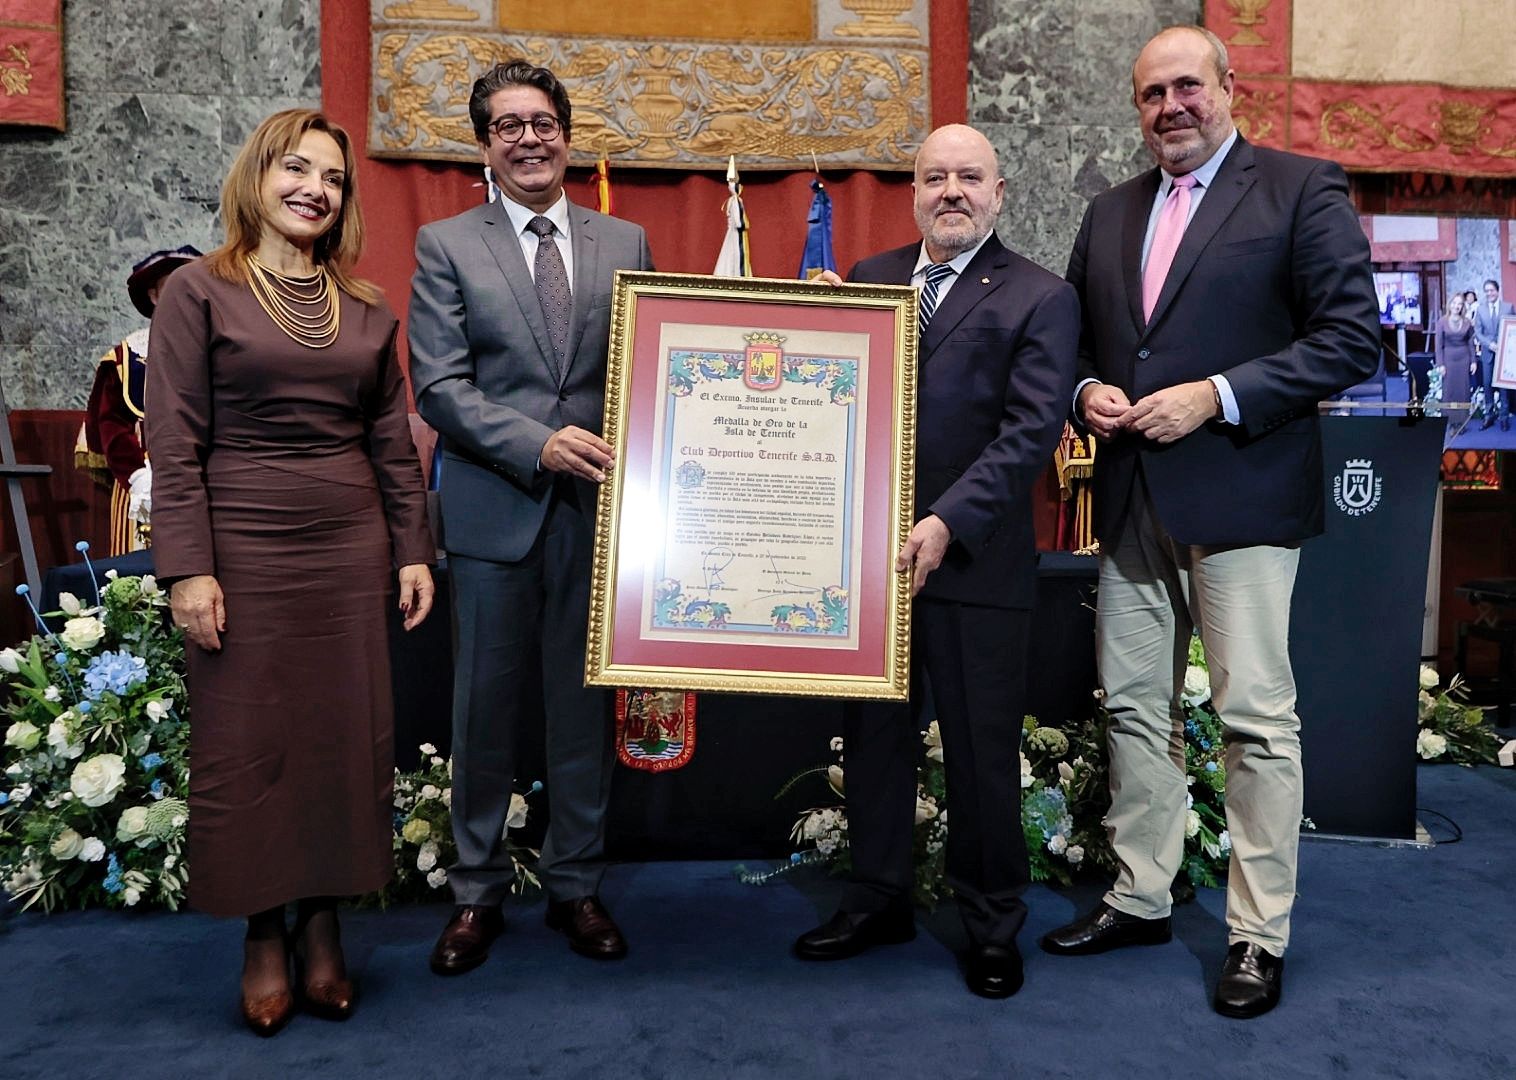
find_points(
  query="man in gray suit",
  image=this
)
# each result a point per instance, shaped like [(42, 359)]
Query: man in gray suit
[(508, 364), (1487, 318)]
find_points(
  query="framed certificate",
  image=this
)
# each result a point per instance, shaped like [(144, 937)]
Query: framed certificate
[(1504, 375), (765, 453)]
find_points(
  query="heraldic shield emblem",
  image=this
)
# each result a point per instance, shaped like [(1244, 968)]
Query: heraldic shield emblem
[(655, 729), (763, 369), (1357, 490)]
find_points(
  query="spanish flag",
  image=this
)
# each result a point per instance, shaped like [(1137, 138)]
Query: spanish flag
[(602, 182)]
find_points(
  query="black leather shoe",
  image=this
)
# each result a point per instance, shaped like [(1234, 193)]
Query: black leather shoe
[(1104, 929), (1251, 979), (1488, 421), (1505, 422), (591, 930), (848, 933), (465, 941), (993, 971)]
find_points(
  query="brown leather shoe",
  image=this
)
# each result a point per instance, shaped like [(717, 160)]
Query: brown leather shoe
[(465, 942), (332, 1000), (591, 930), (267, 1015)]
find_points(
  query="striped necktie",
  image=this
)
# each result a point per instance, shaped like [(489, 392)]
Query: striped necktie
[(936, 274)]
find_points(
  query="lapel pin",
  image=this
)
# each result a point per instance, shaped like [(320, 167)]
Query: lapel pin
[(984, 281)]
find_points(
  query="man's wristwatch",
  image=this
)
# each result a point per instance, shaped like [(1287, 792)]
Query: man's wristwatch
[(1216, 394)]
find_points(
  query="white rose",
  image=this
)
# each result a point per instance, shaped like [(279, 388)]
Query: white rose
[(1057, 844), (430, 791), (20, 793), (58, 740), (23, 735), (517, 816), (428, 749), (926, 809), (437, 878), (1429, 678), (1426, 705), (10, 661), (52, 693), (93, 850), (1224, 841), (1429, 745), (157, 710), (150, 585), (67, 845), (1065, 772), (1026, 772), (82, 634), (1191, 823), (834, 777), (933, 740), (836, 743), (132, 824), (426, 858), (1075, 854), (447, 797), (98, 780), (1197, 684), (436, 761), (69, 603), (130, 897)]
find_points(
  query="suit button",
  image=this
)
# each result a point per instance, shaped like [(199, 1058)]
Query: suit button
[(1143, 354), (563, 395)]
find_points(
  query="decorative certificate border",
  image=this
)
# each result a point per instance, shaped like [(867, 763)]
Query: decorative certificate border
[(764, 480), (1504, 375)]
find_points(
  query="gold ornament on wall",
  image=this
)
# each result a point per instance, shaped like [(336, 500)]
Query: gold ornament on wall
[(1248, 15), (16, 71), (1460, 126), (687, 105), (878, 18)]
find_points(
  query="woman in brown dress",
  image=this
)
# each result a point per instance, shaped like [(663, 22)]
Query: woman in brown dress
[(285, 488), (1455, 350)]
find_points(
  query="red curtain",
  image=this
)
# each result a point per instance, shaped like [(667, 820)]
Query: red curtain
[(681, 211)]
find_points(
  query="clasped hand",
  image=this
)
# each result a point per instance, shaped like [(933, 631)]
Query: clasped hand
[(1165, 416), (578, 452)]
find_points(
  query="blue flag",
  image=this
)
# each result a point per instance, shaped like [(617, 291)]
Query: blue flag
[(818, 234)]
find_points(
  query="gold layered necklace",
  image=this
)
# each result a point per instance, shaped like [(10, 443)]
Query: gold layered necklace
[(305, 308)]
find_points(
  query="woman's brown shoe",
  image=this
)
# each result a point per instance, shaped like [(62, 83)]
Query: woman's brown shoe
[(267, 1015), (329, 1000)]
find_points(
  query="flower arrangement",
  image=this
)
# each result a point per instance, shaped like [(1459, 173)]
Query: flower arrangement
[(423, 838), (92, 805), (1065, 794), (1449, 728)]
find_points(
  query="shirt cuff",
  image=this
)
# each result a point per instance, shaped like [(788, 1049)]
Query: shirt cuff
[(1074, 405), (1229, 411)]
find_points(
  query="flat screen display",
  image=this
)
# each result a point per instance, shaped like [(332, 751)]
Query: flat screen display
[(1399, 297)]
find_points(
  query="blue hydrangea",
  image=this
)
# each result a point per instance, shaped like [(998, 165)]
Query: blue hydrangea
[(150, 761), (1205, 744), (117, 672), (157, 789), (1048, 809), (112, 883), (4, 798), (1210, 766)]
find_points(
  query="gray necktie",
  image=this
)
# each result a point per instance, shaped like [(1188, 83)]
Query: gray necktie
[(936, 274), (552, 288)]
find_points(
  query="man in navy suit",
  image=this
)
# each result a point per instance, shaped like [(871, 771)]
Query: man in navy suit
[(1225, 293), (996, 371)]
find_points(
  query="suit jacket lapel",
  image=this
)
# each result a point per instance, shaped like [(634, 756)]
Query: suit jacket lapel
[(582, 237), (981, 277), (1134, 229), (1232, 182), (506, 248)]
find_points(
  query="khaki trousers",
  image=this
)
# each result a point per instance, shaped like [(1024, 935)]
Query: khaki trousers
[(1153, 592)]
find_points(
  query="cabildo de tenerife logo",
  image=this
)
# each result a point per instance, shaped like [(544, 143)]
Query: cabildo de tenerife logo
[(1356, 490)]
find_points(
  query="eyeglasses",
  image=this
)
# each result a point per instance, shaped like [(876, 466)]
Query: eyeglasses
[(509, 129)]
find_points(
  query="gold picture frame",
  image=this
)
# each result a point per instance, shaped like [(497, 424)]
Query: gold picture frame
[(765, 443)]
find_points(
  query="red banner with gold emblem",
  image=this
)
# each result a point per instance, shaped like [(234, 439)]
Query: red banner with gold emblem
[(1373, 87), (31, 63)]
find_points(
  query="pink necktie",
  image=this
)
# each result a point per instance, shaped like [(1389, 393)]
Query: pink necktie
[(1172, 219)]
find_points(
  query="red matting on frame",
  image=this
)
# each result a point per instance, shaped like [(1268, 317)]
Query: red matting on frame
[(628, 646), (31, 63), (1367, 127), (682, 214)]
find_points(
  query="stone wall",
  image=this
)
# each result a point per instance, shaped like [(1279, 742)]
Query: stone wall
[(159, 97), (1479, 256), (1050, 84)]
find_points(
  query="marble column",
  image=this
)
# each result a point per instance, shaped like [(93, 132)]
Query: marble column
[(159, 97), (1050, 85)]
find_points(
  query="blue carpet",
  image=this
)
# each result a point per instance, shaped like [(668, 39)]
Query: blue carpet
[(1402, 965)]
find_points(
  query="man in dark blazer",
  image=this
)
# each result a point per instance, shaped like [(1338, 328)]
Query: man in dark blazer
[(508, 364), (1487, 317), (1225, 293), (996, 371)]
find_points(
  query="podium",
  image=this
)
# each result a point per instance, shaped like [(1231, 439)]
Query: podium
[(1356, 624)]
